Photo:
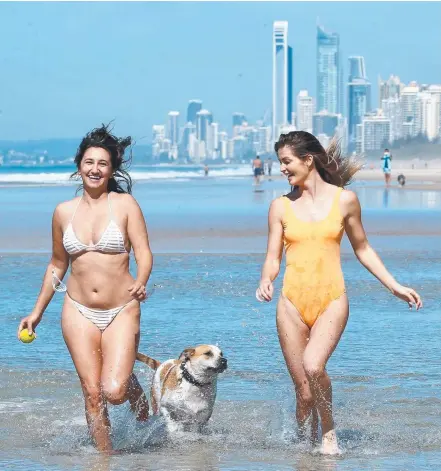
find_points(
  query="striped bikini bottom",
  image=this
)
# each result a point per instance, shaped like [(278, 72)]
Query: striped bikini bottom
[(102, 318)]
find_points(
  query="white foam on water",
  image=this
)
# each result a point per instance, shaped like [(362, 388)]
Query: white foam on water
[(40, 178), (19, 406), (63, 178)]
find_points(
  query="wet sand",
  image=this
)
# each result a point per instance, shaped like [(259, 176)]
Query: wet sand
[(416, 179), (194, 226)]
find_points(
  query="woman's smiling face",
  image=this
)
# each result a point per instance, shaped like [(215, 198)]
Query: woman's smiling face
[(295, 169), (96, 168)]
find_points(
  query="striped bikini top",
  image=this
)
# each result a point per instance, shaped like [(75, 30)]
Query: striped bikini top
[(112, 240)]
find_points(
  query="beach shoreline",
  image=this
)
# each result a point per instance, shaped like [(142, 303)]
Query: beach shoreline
[(416, 179)]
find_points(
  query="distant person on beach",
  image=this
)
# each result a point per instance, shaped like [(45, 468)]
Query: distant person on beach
[(94, 233), (269, 166), (387, 166), (206, 170), (258, 170), (313, 309)]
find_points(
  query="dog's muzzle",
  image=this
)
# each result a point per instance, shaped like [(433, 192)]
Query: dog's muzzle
[(223, 365)]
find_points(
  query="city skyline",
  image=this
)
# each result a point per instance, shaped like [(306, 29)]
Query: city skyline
[(53, 58), (408, 112)]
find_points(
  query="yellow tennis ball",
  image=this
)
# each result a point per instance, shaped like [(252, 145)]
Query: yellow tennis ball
[(25, 337)]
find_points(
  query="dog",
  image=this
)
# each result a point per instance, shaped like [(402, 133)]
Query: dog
[(184, 390)]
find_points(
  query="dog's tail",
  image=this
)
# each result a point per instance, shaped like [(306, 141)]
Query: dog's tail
[(153, 364)]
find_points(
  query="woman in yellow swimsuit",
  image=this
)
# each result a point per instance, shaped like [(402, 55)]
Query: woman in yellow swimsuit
[(313, 310)]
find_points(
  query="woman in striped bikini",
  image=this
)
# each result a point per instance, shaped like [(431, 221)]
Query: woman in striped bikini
[(100, 319)]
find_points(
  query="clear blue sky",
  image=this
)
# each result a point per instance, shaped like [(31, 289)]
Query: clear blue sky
[(66, 67)]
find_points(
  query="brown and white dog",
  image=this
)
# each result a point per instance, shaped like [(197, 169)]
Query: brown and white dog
[(184, 390)]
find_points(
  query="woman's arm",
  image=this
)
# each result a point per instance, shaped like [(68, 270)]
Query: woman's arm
[(59, 263), (138, 237), (271, 266), (367, 255)]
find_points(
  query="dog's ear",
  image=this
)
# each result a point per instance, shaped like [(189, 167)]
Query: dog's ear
[(187, 353)]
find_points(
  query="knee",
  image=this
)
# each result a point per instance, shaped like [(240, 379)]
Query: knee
[(304, 396), (93, 396), (115, 391), (313, 368)]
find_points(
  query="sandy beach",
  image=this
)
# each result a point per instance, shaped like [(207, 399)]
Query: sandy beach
[(416, 179), (418, 176), (197, 215)]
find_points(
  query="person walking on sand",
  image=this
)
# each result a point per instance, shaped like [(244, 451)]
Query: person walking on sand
[(387, 166), (258, 170), (100, 320), (313, 309)]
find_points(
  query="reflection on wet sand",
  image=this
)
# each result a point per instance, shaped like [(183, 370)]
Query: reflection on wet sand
[(386, 198)]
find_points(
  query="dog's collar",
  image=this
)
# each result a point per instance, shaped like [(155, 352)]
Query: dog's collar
[(188, 377)]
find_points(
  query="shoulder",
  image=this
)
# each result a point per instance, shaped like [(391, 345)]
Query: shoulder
[(279, 202), (66, 208), (122, 198), (123, 201), (277, 207), (348, 196), (349, 202)]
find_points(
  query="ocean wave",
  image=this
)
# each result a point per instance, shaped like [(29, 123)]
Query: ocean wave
[(63, 178), (40, 178)]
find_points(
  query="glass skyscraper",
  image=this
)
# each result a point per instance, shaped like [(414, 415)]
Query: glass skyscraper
[(282, 77), (204, 120), (193, 107), (329, 73), (359, 96)]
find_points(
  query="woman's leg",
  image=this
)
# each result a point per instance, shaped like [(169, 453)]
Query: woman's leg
[(325, 335), (119, 345), (293, 337), (83, 339)]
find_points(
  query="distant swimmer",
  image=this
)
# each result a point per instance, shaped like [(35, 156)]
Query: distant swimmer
[(258, 170), (401, 179), (206, 169), (387, 166)]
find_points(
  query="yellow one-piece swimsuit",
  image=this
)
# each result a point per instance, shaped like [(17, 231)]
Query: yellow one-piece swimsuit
[(313, 276)]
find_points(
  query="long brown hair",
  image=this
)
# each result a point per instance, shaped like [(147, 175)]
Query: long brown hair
[(331, 164)]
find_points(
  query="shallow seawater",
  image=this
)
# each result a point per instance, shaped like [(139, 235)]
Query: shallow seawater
[(385, 372)]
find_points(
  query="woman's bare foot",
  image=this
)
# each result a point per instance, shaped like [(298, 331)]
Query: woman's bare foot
[(330, 444)]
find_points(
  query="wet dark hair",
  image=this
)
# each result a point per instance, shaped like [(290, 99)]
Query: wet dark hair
[(331, 164), (102, 137)]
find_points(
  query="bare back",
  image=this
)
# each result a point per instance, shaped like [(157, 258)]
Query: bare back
[(257, 163)]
